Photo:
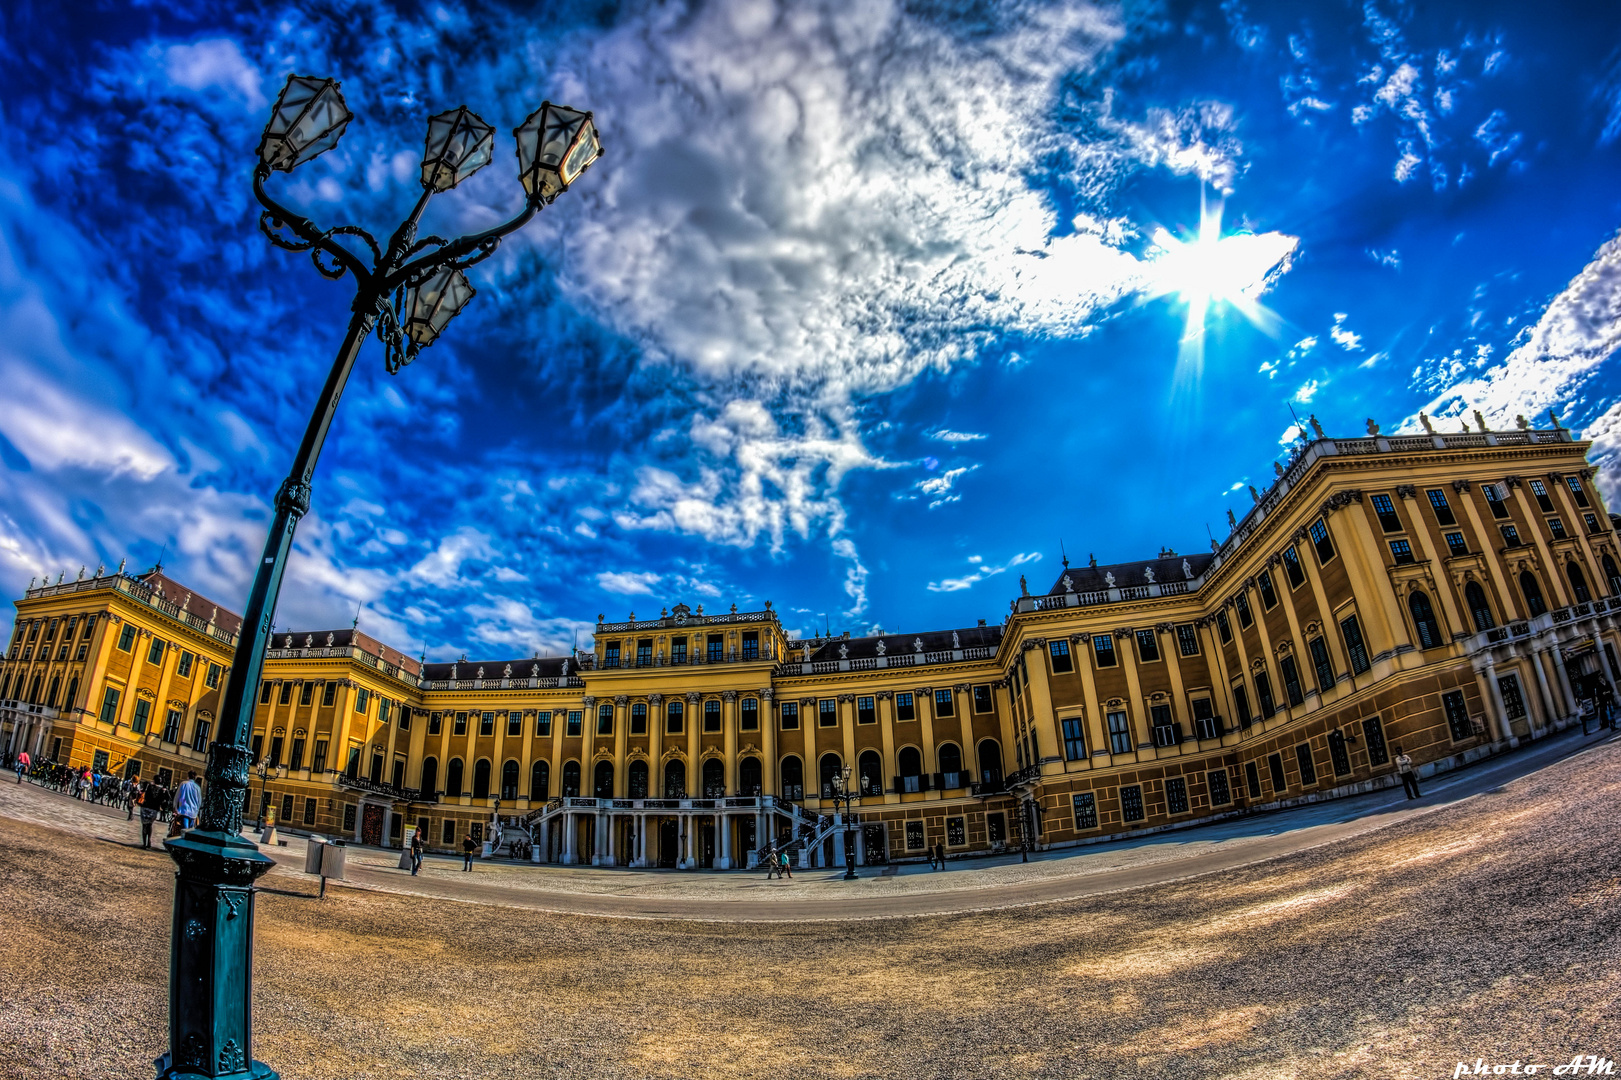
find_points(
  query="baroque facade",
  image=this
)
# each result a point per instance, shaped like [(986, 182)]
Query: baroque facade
[(1451, 594)]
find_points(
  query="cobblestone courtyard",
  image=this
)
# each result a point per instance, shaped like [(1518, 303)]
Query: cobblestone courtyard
[(1485, 929)]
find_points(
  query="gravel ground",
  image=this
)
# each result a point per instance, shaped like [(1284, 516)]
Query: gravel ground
[(1487, 929)]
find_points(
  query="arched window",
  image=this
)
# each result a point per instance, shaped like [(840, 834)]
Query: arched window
[(950, 758), (675, 780), (509, 781), (636, 776), (73, 693), (829, 767), (453, 777), (5, 687), (793, 778), (1533, 594), (748, 776), (33, 693), (871, 767), (1611, 574), (1479, 610), (540, 781), (602, 780), (571, 779), (429, 784), (1429, 631), (56, 684), (481, 779), (1578, 583), (990, 761), (714, 779), (910, 763)]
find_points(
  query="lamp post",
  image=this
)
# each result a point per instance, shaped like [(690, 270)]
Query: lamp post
[(842, 793), (265, 769), (409, 291)]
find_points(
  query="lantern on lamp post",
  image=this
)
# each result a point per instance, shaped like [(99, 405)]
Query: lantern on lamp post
[(409, 290)]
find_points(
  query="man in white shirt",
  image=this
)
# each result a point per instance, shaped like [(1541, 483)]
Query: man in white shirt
[(187, 801), (1409, 778)]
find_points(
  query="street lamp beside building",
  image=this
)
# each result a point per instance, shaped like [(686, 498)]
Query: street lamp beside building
[(843, 793), (408, 289), (265, 770)]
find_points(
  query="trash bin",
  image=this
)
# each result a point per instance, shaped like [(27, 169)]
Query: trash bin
[(332, 860), (312, 854)]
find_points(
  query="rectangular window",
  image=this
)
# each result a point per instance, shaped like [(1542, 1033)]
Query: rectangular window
[(1544, 503), (309, 811), (1222, 627), (711, 716), (349, 817), (605, 719), (788, 714), (644, 652), (1119, 733), (1216, 782), (306, 696), (362, 699), (1187, 639), (318, 759), (543, 724), (717, 648), (610, 655), (486, 724), (1321, 541), (1291, 680), (449, 833), (866, 710), (171, 726), (1241, 603), (904, 708), (1401, 551), (982, 698), (1269, 595), (1513, 703), (956, 833), (678, 651), (1577, 492), (1162, 727), (514, 723), (1176, 795), (1086, 811), (286, 808), (749, 716), (1147, 646), (1263, 694), (638, 719), (1059, 651), (264, 693), (1374, 732), (126, 637), (1320, 661), (1308, 769), (1355, 648), (1103, 649), (436, 723), (1456, 545), (1241, 705), (1386, 513), (914, 836), (1443, 511), (109, 706), (295, 759), (183, 668), (1511, 536), (1457, 715), (286, 695), (1556, 527), (1592, 523), (143, 712), (1131, 803), (82, 652), (945, 703), (1074, 740), (329, 695), (199, 739), (1494, 499), (751, 644), (1252, 779), (1274, 764), (827, 713), (460, 726), (1337, 753), (576, 719), (674, 717), (1206, 724), (1292, 568)]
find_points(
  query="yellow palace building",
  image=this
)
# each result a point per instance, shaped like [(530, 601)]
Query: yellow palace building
[(1451, 594)]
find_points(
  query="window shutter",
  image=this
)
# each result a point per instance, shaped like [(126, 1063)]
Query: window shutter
[(898, 786)]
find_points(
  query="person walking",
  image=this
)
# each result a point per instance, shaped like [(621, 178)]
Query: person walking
[(416, 851), (940, 856), (150, 799), (127, 793), (22, 764), (468, 847), (188, 800), (784, 866), (1409, 778)]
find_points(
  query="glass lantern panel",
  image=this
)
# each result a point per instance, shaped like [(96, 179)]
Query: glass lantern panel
[(308, 120), (458, 145), (584, 153)]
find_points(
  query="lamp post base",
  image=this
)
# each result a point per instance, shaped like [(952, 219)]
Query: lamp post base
[(211, 959)]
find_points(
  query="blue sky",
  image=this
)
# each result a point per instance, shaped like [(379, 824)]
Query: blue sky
[(867, 309)]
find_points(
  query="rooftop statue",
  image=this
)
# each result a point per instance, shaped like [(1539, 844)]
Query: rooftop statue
[(1425, 420), (1069, 586), (1373, 428), (1187, 569), (881, 647), (1148, 572), (955, 644), (1109, 579)]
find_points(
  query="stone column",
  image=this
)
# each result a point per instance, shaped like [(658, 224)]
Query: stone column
[(769, 770), (1557, 652), (570, 829), (728, 723), (724, 855), (1125, 647), (694, 721), (1497, 695), (838, 839), (1495, 720), (621, 736), (655, 746)]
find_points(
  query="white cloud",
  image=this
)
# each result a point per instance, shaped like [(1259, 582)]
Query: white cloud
[(214, 63), (939, 488), (1342, 336), (443, 566), (943, 435), (1307, 391), (628, 583), (981, 571)]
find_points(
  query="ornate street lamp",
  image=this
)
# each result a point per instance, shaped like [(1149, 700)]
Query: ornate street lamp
[(843, 793), (409, 291), (265, 771)]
